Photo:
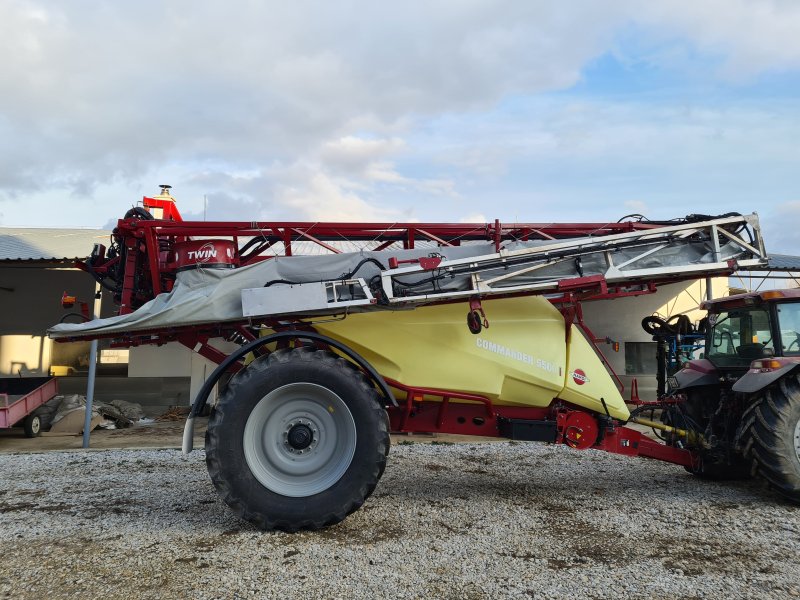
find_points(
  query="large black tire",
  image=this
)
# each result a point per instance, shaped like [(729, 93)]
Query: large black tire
[(771, 437), (298, 440)]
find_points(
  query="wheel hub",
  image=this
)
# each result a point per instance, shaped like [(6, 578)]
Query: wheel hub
[(300, 436), (299, 439)]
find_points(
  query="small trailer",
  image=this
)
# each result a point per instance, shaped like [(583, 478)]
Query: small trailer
[(19, 399)]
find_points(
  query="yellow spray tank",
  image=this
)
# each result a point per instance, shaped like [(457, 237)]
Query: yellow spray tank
[(522, 359)]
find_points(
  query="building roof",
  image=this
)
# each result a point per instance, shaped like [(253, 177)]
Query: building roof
[(784, 262), (53, 244), (48, 243)]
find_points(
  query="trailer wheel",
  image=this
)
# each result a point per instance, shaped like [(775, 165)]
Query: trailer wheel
[(32, 425), (771, 437), (298, 440)]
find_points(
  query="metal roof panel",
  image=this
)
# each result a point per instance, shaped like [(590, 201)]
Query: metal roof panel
[(48, 243)]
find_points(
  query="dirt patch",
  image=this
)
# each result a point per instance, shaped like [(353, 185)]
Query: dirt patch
[(691, 557), (583, 540), (347, 534)]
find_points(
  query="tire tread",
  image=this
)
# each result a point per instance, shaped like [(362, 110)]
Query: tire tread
[(765, 426)]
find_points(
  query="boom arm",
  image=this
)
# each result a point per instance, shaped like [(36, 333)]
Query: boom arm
[(603, 261), (585, 264)]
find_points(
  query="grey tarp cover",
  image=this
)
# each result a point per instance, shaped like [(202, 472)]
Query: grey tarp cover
[(214, 295)]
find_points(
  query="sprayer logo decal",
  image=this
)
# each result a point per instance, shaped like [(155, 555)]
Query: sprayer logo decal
[(579, 377), (205, 253)]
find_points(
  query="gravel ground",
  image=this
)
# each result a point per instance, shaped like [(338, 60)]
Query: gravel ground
[(447, 521)]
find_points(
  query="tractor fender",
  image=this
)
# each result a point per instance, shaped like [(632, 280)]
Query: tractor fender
[(756, 380), (696, 373)]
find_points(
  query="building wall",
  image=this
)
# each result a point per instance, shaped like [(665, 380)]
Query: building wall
[(30, 302), (175, 360), (620, 320), (154, 394)]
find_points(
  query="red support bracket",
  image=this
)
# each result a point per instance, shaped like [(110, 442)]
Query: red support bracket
[(630, 442), (435, 238), (200, 345), (310, 237), (581, 283), (429, 263)]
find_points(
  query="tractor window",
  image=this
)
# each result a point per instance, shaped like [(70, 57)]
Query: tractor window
[(789, 319), (739, 336)]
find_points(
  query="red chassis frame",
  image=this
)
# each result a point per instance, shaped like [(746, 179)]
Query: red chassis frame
[(147, 271), (468, 414)]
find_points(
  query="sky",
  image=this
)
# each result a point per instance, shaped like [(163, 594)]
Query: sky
[(443, 110)]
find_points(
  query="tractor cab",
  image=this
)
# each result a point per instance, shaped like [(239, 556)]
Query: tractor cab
[(753, 326), (751, 340)]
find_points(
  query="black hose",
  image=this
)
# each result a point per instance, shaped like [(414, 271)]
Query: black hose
[(369, 259), (433, 279), (286, 281), (73, 314), (99, 279), (253, 242), (343, 276), (693, 218)]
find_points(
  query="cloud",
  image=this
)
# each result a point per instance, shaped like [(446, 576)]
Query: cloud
[(97, 94), (380, 109), (473, 218), (326, 200), (567, 159), (221, 206), (356, 154), (637, 206), (780, 228), (749, 36)]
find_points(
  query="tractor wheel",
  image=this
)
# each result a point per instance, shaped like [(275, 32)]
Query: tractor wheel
[(32, 425), (771, 437), (298, 440)]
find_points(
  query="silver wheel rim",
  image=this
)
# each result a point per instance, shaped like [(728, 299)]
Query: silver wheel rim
[(797, 440), (35, 425), (295, 471)]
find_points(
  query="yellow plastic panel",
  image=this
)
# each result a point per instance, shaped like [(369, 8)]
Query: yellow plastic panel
[(519, 359), (588, 380)]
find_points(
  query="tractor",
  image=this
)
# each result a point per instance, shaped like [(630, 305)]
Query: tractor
[(741, 401)]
